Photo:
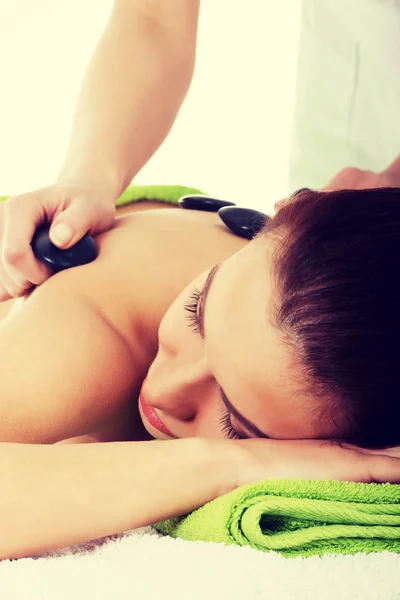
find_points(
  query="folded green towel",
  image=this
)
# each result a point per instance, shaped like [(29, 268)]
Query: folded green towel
[(298, 517), (163, 193)]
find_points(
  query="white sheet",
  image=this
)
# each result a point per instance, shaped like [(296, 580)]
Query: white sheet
[(142, 564)]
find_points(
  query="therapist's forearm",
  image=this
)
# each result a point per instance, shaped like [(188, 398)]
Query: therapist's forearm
[(130, 96), (54, 496)]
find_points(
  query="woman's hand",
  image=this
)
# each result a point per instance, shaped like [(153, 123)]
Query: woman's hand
[(77, 207), (315, 459)]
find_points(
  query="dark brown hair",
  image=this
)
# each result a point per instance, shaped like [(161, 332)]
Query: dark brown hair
[(336, 268)]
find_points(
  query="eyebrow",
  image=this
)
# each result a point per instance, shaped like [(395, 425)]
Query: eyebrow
[(202, 306)]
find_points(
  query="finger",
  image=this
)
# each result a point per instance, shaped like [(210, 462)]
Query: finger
[(371, 180), (384, 469), (17, 255), (345, 179), (388, 451), (394, 451), (70, 226), (393, 170), (9, 287)]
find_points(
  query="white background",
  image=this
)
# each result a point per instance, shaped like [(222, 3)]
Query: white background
[(232, 135)]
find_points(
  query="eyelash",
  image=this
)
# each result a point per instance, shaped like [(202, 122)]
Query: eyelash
[(192, 307), (225, 425)]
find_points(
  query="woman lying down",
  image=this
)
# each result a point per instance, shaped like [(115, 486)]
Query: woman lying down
[(277, 357)]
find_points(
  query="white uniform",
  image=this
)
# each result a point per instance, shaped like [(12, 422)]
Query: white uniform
[(347, 108)]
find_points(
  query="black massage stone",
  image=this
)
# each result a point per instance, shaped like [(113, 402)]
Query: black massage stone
[(81, 253), (244, 222), (201, 202)]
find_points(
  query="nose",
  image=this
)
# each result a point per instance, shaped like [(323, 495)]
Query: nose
[(178, 391)]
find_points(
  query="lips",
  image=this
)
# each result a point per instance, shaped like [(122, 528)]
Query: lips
[(152, 416)]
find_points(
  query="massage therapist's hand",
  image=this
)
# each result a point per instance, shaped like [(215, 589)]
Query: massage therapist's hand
[(352, 178), (72, 208), (315, 459)]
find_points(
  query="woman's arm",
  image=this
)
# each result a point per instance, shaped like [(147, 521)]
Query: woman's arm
[(55, 496)]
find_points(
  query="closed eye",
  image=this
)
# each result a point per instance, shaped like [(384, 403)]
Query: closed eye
[(191, 307)]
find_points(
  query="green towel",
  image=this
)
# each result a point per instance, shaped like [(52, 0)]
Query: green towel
[(163, 193), (298, 517)]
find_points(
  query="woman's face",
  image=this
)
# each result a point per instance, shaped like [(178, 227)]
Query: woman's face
[(224, 357)]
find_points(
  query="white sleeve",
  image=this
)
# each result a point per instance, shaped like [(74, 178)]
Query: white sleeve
[(348, 89)]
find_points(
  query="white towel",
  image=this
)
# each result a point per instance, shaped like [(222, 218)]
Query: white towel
[(143, 565)]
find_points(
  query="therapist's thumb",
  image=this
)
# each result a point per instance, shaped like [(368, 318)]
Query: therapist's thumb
[(70, 226)]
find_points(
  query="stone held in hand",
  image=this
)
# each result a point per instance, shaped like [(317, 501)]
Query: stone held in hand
[(82, 253)]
